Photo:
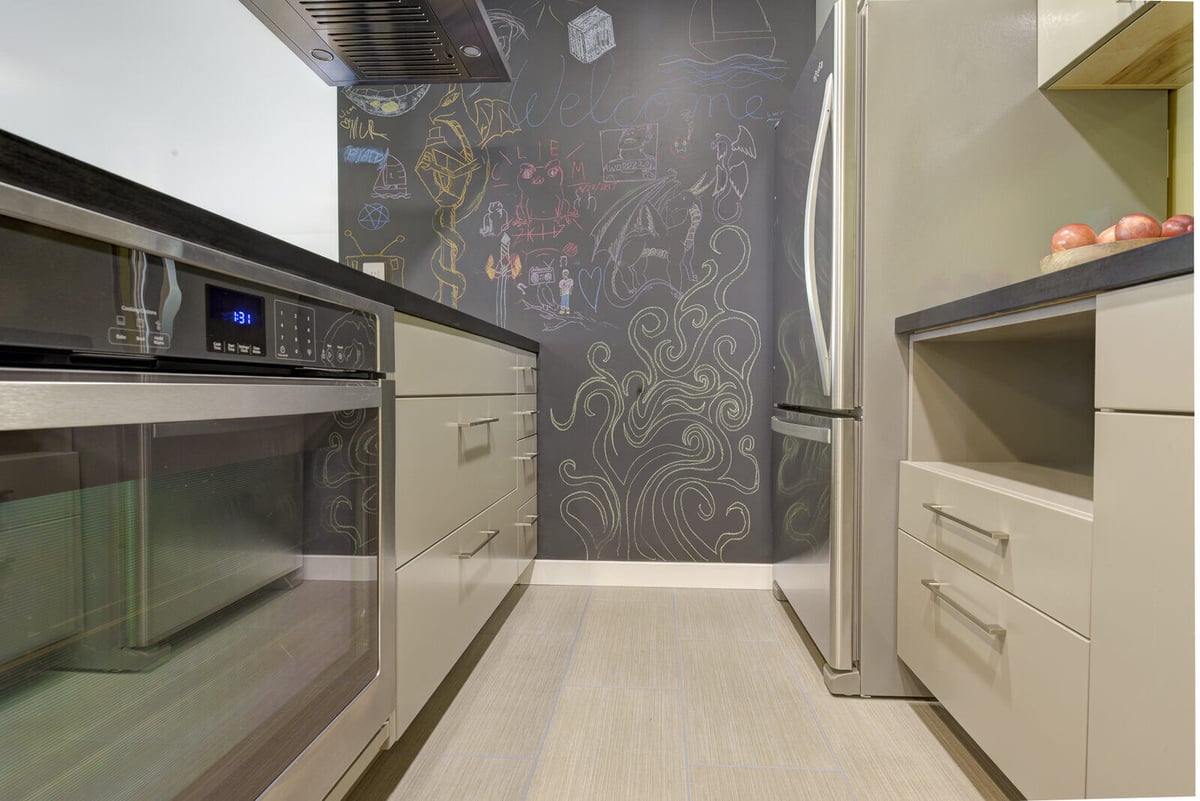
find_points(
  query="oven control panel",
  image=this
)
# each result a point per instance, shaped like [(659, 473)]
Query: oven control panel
[(104, 299)]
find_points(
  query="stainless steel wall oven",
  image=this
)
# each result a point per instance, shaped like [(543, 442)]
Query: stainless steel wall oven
[(193, 598)]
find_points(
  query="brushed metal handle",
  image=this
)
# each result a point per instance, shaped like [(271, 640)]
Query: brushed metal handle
[(526, 367), (940, 511), (990, 629), (526, 411), (492, 534), (532, 520), (810, 222), (483, 421), (529, 457)]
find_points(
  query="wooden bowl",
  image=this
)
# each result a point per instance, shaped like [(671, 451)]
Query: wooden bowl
[(1076, 256)]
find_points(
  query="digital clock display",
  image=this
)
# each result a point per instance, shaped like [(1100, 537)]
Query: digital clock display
[(240, 317), (236, 322)]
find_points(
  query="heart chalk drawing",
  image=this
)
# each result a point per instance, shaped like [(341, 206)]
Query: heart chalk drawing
[(590, 282)]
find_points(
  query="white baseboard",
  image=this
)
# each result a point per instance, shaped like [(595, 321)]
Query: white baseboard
[(319, 567), (714, 575)]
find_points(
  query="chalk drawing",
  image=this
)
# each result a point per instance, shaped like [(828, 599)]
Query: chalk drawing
[(392, 181), (667, 434), (590, 35), (363, 155), (386, 101), (546, 8), (495, 220), (345, 464), (503, 270), (738, 72), (508, 29), (732, 176), (630, 153), (454, 167), (648, 239), (542, 211), (375, 262), (358, 129), (719, 29), (374, 216)]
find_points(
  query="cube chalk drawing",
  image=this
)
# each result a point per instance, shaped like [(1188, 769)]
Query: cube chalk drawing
[(590, 35)]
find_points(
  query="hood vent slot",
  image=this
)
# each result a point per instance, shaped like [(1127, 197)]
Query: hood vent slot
[(383, 42)]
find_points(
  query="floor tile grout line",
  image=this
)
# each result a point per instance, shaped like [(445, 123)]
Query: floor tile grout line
[(687, 760), (557, 694), (804, 693)]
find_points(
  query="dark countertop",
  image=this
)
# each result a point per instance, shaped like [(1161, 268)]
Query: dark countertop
[(1170, 257), (38, 169)]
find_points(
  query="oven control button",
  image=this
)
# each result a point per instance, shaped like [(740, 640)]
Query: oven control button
[(243, 349), (216, 346), (160, 340), (255, 350)]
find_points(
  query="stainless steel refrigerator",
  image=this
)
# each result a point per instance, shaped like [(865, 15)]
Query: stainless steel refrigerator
[(916, 162)]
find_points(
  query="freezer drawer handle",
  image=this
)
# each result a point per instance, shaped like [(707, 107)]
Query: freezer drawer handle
[(940, 511), (813, 433), (529, 457), (990, 629), (492, 534), (810, 222), (483, 421)]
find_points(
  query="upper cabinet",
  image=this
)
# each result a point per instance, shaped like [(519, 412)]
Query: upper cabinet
[(1114, 44)]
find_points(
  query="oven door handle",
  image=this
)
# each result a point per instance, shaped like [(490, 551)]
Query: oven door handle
[(74, 404)]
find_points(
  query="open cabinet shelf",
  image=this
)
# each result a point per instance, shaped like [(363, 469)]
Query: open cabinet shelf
[(1009, 401)]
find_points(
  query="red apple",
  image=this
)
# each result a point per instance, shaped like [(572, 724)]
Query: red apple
[(1137, 226), (1179, 224), (1109, 234)]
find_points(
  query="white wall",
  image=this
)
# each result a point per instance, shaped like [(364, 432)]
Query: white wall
[(195, 98)]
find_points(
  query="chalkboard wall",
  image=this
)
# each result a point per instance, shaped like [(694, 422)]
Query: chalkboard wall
[(613, 202)]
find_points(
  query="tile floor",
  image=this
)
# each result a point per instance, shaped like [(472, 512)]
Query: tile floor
[(625, 694)]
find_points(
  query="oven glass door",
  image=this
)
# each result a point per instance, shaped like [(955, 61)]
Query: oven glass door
[(188, 579)]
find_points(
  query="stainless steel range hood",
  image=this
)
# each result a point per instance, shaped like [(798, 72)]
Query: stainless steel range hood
[(381, 42)]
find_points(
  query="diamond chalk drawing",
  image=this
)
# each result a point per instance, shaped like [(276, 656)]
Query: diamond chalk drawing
[(591, 35)]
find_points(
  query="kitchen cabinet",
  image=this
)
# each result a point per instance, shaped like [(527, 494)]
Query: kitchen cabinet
[(1129, 44), (466, 483), (1046, 539)]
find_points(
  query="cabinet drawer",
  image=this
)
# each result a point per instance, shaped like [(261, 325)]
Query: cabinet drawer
[(1046, 559), (527, 417), (446, 469), (1022, 695), (435, 360), (527, 468), (527, 372), (527, 533), (1144, 347), (443, 598)]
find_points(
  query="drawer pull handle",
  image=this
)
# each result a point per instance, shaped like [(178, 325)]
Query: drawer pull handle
[(529, 457), (492, 534), (482, 421), (940, 511), (526, 367), (526, 411), (935, 587), (524, 525), (531, 518)]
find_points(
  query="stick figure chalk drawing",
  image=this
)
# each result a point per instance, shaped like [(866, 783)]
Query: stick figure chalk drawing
[(454, 168), (668, 454), (590, 35), (378, 264)]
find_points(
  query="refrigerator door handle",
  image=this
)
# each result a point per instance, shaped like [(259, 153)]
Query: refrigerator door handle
[(812, 433), (810, 223)]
